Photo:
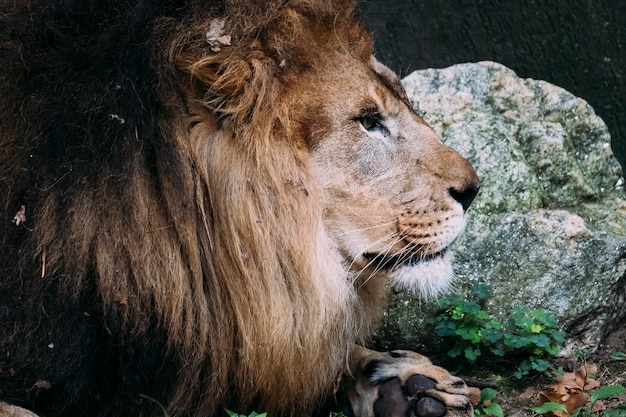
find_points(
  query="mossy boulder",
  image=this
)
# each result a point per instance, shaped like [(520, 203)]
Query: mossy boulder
[(548, 229)]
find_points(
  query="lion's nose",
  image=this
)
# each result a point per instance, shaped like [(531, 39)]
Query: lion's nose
[(466, 194)]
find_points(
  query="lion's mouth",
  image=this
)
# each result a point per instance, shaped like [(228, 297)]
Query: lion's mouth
[(386, 261)]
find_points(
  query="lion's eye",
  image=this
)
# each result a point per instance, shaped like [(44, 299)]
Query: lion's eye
[(371, 123)]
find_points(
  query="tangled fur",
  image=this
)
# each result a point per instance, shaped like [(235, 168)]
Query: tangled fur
[(173, 241)]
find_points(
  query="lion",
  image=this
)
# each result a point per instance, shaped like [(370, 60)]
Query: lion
[(203, 203)]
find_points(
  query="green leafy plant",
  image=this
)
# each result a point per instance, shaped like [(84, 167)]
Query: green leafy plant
[(487, 407), (253, 414), (531, 333), (157, 403), (587, 411)]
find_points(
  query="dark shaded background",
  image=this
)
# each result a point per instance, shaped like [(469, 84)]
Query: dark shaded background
[(579, 45)]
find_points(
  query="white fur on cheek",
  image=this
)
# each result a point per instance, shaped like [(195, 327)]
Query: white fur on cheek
[(427, 279)]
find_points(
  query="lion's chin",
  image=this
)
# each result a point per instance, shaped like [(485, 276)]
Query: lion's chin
[(428, 278)]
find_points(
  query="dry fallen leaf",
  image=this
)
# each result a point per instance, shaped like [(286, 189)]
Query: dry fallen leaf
[(474, 395), (529, 393), (580, 377), (571, 397), (20, 216), (598, 406), (215, 36), (571, 389)]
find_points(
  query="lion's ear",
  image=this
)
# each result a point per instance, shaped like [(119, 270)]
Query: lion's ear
[(236, 86), (389, 78)]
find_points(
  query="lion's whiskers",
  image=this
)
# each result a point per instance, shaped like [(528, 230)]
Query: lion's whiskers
[(381, 253), (392, 221), (405, 253)]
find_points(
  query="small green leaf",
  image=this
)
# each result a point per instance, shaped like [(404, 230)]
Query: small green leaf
[(618, 356), (522, 342), (606, 392), (471, 307), (492, 335), (482, 314), (558, 337), (536, 328), (471, 353), (549, 407), (445, 328), (488, 394), (552, 349), (541, 340), (467, 333), (582, 412), (455, 351), (493, 324), (493, 409), (498, 350), (538, 314), (540, 365), (457, 313), (619, 411)]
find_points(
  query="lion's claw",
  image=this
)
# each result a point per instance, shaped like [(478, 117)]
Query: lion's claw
[(419, 383), (403, 384), (416, 387)]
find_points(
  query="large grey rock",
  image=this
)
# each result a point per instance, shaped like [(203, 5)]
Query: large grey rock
[(548, 229)]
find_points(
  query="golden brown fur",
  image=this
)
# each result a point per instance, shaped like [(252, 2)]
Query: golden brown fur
[(176, 241)]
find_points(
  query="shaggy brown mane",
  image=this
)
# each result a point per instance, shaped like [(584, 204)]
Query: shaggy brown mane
[(172, 244)]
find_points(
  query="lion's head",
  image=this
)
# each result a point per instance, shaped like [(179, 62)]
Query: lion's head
[(394, 197), (215, 195)]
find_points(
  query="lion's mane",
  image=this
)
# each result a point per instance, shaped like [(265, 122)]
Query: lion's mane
[(168, 239)]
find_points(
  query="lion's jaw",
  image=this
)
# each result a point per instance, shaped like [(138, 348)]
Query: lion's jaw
[(395, 195)]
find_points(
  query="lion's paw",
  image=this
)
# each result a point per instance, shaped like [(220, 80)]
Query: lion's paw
[(402, 384), (7, 410)]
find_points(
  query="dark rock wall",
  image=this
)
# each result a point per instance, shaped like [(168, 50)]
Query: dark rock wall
[(579, 45)]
